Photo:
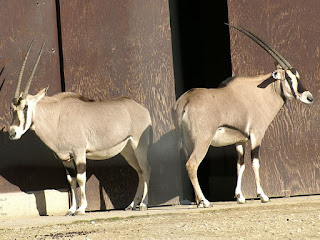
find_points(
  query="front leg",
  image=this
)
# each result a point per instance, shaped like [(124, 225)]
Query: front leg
[(81, 179), (240, 169), (255, 155), (71, 177)]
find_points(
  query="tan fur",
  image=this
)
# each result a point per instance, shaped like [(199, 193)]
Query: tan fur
[(76, 128)]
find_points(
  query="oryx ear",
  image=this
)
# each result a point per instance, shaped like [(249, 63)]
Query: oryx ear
[(277, 74), (41, 94)]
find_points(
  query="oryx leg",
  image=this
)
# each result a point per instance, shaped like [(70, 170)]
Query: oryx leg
[(240, 169), (199, 151), (137, 159), (255, 155), (72, 179), (80, 161)]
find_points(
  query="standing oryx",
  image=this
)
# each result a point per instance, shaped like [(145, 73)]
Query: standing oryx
[(239, 110), (76, 128)]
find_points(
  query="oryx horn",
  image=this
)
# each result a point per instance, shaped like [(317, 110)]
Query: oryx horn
[(273, 53), (25, 92), (3, 79), (16, 95)]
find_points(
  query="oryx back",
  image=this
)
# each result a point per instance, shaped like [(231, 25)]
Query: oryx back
[(101, 127)]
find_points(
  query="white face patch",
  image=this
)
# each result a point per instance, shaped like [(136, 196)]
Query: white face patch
[(20, 120), (22, 112)]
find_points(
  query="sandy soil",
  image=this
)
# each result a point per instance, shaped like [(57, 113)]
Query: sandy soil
[(287, 218)]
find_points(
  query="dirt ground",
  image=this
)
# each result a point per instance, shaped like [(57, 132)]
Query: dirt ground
[(284, 218)]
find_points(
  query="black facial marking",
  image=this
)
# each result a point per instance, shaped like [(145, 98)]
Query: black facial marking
[(255, 153), (15, 119), (25, 111), (294, 71), (289, 80)]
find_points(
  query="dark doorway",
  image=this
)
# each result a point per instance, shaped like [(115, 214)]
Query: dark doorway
[(201, 54)]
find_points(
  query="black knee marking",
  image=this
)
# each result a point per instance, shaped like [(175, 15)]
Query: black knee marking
[(255, 153), (81, 168), (71, 171), (70, 168)]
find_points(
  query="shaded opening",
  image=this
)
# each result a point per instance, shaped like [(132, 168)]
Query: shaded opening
[(201, 55)]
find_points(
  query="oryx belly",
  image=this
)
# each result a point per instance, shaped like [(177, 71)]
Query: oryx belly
[(110, 152), (225, 136)]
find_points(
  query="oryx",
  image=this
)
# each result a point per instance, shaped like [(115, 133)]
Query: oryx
[(76, 128), (240, 110)]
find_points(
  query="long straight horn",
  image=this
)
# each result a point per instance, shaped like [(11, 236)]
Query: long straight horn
[(26, 90), (16, 94), (272, 49), (273, 53)]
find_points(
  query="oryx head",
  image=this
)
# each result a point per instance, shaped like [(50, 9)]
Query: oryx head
[(289, 76), (23, 104)]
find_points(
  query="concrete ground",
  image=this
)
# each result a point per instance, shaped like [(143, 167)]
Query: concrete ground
[(39, 221)]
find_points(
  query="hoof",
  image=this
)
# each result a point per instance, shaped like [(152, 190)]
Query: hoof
[(240, 199), (204, 204), (79, 212), (130, 208), (69, 213), (263, 199), (143, 207)]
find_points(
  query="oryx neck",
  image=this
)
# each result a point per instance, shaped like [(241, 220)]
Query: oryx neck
[(277, 88)]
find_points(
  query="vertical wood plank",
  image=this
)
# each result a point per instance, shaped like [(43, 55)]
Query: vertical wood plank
[(27, 164), (123, 48)]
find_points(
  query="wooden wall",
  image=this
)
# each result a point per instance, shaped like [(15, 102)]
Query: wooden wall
[(102, 49), (27, 164), (113, 48), (290, 162)]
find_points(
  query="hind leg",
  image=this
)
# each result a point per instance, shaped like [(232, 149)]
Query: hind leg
[(141, 153), (134, 159), (255, 156), (199, 151)]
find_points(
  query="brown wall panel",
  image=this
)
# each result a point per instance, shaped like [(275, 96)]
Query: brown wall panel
[(290, 161), (27, 164), (123, 48)]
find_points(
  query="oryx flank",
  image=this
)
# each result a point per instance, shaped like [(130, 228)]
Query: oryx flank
[(240, 110), (76, 128)]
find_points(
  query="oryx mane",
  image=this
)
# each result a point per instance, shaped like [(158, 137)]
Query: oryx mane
[(65, 95)]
